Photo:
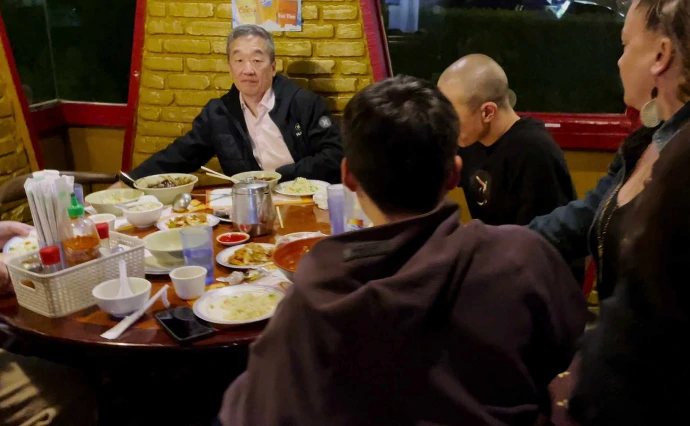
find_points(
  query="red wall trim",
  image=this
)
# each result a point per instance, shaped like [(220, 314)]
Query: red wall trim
[(376, 39), (134, 77), (91, 114), (55, 117), (49, 120), (20, 94), (596, 132)]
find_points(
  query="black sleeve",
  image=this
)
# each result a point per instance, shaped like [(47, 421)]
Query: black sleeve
[(186, 155), (543, 184), (323, 138)]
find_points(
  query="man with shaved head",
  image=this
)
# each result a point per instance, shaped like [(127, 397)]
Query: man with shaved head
[(516, 172)]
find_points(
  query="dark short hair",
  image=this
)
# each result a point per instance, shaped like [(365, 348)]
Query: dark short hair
[(400, 138), (251, 30)]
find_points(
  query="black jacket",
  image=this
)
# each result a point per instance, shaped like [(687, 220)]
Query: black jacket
[(309, 131)]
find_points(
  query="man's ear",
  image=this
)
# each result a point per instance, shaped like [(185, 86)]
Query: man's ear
[(273, 68), (454, 177), (348, 179), (488, 111)]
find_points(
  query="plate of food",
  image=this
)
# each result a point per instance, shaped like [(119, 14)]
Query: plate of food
[(21, 245), (179, 221), (301, 187), (240, 304), (246, 256)]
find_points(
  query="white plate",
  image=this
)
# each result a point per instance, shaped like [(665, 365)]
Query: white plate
[(203, 310), (220, 198), (320, 184), (16, 242), (210, 219), (225, 254)]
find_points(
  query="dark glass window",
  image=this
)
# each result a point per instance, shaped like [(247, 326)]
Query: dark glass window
[(560, 56), (77, 50)]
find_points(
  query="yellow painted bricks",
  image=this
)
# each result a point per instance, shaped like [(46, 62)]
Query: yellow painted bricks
[(16, 153), (185, 65)]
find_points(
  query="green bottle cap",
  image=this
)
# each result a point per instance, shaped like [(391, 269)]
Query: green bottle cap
[(76, 209)]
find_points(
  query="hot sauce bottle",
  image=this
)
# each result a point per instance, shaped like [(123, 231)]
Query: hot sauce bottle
[(80, 241)]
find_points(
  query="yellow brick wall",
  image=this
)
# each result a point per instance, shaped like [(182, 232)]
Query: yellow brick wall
[(184, 62), (16, 153)]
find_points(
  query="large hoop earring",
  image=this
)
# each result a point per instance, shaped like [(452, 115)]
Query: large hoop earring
[(650, 114)]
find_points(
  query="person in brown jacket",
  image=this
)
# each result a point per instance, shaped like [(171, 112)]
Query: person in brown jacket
[(418, 320)]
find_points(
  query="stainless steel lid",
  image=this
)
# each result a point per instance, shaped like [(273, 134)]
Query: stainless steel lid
[(250, 187)]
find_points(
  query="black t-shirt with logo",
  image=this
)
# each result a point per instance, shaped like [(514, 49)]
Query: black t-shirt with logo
[(521, 176)]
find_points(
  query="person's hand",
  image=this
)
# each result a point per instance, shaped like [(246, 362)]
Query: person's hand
[(9, 229), (5, 283)]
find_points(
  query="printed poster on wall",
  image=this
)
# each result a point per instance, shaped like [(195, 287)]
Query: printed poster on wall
[(273, 15)]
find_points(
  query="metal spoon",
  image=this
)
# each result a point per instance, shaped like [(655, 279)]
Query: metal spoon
[(181, 202)]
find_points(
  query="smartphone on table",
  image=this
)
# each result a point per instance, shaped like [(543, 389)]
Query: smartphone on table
[(182, 325)]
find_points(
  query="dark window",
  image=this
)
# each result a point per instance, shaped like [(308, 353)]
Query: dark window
[(77, 50), (560, 56)]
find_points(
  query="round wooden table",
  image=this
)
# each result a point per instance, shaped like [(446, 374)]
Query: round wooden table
[(86, 326)]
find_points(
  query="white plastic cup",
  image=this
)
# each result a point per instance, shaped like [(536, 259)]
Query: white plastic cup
[(189, 281)]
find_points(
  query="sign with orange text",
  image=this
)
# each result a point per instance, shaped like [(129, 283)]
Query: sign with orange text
[(273, 15)]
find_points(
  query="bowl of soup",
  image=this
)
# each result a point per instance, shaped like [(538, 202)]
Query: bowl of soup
[(105, 201), (288, 256), (166, 186), (271, 177), (144, 215)]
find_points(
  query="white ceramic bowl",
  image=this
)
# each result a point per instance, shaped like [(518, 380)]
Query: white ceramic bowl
[(104, 218), (189, 281), (104, 201), (145, 218), (259, 174), (165, 195), (105, 294), (166, 246)]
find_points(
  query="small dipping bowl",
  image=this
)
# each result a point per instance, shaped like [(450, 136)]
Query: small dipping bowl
[(105, 294), (232, 238)]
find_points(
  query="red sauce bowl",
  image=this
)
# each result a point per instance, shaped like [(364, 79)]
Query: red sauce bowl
[(232, 238), (287, 256)]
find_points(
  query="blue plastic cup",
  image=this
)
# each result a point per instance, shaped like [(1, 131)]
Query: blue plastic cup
[(336, 197), (79, 193), (197, 247)]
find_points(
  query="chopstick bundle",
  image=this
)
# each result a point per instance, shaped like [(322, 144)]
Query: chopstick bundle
[(49, 194)]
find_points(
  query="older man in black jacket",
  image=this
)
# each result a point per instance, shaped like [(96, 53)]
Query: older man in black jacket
[(265, 122)]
